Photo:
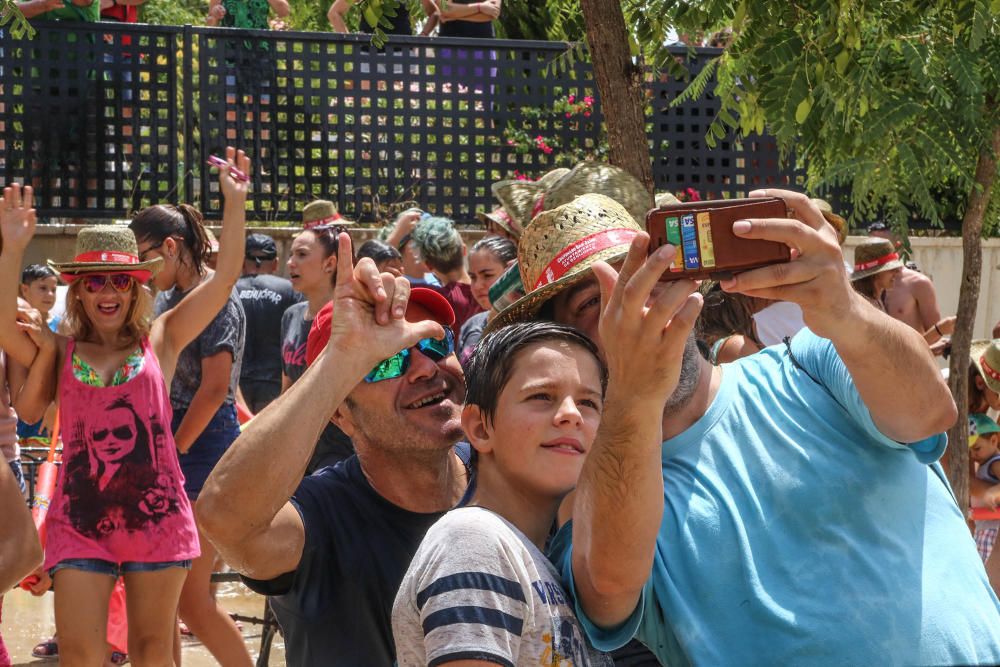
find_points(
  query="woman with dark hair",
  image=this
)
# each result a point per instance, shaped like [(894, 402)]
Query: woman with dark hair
[(115, 355), (489, 258), (312, 268), (876, 267), (203, 396), (386, 258)]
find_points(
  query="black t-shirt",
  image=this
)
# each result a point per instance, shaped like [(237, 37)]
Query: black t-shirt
[(265, 299), (294, 335), (336, 606), (460, 28)]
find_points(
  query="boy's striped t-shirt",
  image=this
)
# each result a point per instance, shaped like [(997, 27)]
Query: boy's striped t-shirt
[(478, 589)]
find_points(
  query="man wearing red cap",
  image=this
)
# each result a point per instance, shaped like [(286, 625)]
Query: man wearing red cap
[(332, 551)]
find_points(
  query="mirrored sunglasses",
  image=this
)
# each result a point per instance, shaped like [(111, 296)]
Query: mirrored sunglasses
[(397, 365), (95, 282)]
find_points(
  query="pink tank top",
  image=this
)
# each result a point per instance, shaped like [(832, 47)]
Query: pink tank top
[(121, 495)]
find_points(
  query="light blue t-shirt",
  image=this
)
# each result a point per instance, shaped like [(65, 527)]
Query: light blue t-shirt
[(795, 533)]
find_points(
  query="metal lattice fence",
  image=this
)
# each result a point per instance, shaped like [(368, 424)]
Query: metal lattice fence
[(105, 118)]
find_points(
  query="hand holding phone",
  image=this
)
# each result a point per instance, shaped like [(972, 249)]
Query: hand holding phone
[(702, 233)]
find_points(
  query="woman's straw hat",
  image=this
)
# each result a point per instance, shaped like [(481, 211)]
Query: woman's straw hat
[(558, 248), (107, 249), (517, 198), (502, 219), (985, 355), (526, 199), (873, 256), (319, 212)]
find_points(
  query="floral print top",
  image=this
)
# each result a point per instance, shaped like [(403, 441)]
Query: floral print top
[(86, 374)]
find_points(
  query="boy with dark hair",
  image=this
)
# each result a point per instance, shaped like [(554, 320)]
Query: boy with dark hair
[(38, 288), (479, 588)]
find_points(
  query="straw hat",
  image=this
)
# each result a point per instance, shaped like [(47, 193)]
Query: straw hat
[(518, 198), (319, 212), (985, 355), (585, 178), (665, 199), (558, 248), (107, 249), (500, 218), (873, 256)]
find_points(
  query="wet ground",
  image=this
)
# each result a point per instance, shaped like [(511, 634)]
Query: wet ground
[(27, 620)]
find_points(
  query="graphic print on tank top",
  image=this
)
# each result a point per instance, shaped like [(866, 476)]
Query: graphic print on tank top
[(111, 480)]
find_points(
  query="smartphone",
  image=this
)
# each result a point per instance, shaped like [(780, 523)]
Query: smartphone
[(702, 233)]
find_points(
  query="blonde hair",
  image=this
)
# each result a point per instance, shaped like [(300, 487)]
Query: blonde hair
[(137, 321)]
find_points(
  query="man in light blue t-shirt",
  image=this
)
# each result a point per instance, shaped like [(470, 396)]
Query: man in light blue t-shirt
[(801, 516)]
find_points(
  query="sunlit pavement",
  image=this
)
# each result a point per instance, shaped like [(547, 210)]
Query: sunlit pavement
[(27, 620)]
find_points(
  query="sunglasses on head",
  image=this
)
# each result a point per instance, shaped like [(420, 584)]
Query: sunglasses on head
[(95, 282), (397, 365)]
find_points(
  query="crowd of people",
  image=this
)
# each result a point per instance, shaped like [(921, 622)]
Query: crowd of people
[(530, 451)]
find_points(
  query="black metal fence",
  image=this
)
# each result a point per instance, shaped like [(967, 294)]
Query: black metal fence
[(105, 118)]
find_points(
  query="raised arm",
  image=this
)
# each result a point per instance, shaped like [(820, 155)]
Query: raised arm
[(882, 354), (173, 330), (33, 389), (244, 506), (17, 227), (619, 498)]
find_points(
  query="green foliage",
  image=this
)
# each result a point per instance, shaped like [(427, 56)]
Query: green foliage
[(14, 20), (525, 134), (893, 100)]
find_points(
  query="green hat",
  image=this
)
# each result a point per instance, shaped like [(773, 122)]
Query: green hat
[(107, 249), (319, 212), (980, 424)]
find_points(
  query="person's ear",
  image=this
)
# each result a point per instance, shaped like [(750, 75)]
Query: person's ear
[(330, 265), (24, 290), (170, 248), (980, 382), (476, 429), (343, 420)]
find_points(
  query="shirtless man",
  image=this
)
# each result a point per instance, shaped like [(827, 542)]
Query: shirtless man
[(912, 298)]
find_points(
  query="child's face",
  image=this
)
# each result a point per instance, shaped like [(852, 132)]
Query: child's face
[(985, 447), (41, 294), (546, 419)]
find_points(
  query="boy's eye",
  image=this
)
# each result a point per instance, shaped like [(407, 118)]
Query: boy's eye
[(589, 303), (539, 397), (590, 404)]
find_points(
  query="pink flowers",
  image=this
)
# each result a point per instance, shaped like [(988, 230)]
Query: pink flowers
[(588, 100), (571, 99), (541, 144)]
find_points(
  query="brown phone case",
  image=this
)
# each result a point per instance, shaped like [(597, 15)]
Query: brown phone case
[(702, 232)]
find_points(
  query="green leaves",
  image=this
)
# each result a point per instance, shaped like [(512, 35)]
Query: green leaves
[(12, 16)]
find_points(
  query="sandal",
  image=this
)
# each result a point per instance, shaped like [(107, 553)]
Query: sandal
[(118, 658), (46, 650)]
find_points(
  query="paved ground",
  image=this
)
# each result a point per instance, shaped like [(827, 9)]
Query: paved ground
[(27, 619)]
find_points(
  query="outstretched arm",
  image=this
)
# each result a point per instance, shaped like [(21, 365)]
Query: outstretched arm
[(619, 498), (244, 506), (882, 354), (17, 227), (173, 330)]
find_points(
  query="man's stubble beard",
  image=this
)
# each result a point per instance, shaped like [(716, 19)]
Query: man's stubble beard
[(687, 383)]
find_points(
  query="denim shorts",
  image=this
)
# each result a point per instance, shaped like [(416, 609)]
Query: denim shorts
[(98, 566)]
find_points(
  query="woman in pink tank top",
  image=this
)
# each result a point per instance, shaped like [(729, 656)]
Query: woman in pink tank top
[(120, 507)]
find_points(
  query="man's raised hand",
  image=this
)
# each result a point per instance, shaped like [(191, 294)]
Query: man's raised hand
[(815, 279), (369, 309), (645, 324), (17, 216)]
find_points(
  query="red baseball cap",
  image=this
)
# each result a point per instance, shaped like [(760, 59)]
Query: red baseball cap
[(319, 334)]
